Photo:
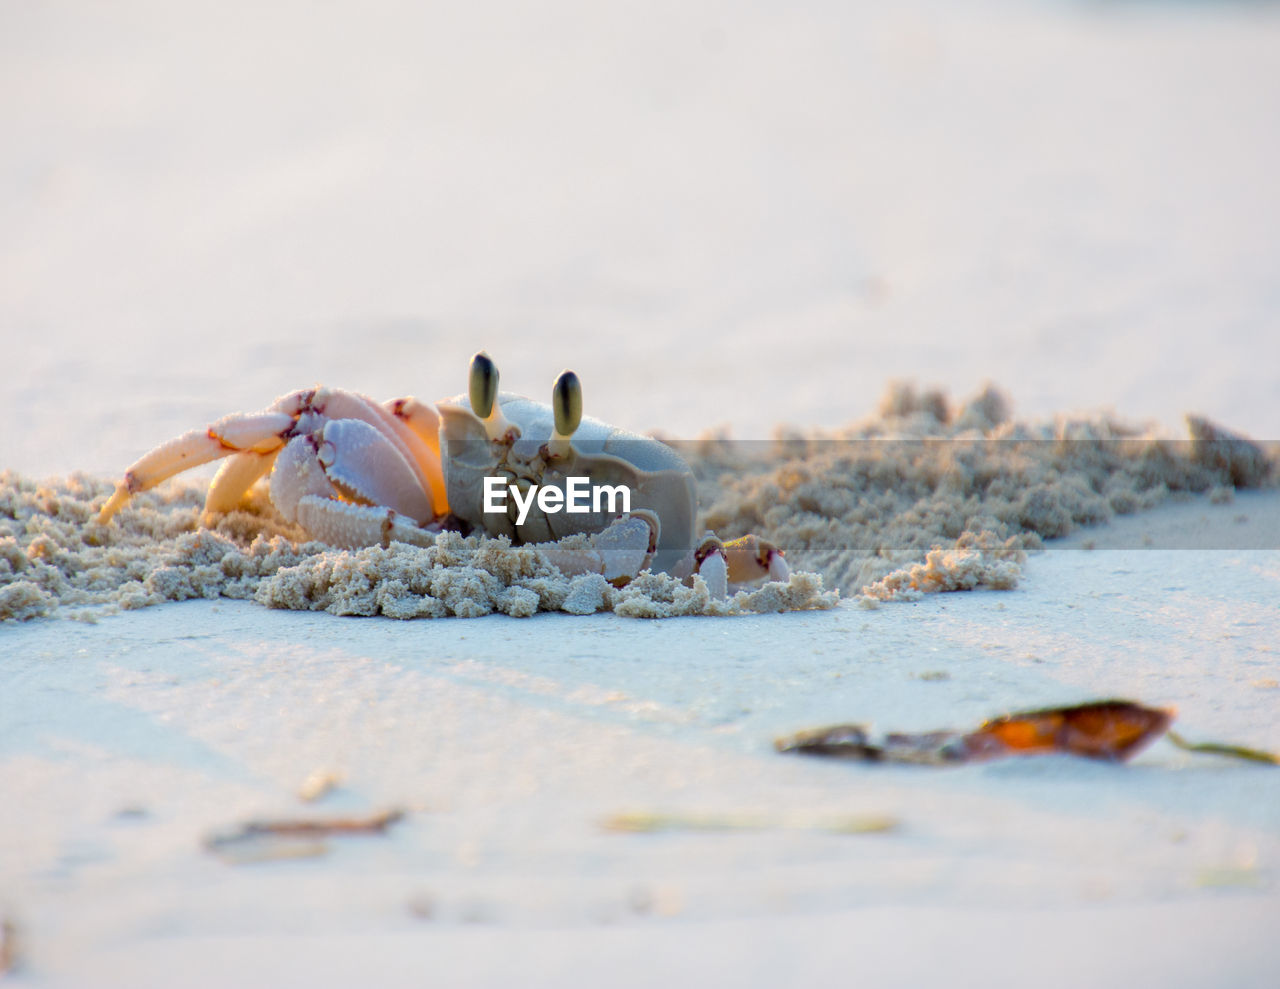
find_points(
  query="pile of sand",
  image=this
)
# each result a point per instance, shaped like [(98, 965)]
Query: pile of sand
[(925, 496), (920, 498), (55, 557)]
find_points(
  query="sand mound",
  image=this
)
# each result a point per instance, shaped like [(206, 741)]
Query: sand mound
[(920, 498), (54, 557), (925, 496)]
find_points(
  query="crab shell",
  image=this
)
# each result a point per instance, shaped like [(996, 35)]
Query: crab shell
[(660, 482)]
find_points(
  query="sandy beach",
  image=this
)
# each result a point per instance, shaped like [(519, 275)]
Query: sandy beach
[(510, 744), (729, 221)]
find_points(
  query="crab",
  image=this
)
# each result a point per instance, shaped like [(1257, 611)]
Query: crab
[(353, 472)]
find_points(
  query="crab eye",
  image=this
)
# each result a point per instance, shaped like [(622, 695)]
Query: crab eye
[(483, 385), (566, 403)]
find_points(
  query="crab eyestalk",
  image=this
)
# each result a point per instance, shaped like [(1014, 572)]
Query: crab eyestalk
[(483, 391), (566, 404)]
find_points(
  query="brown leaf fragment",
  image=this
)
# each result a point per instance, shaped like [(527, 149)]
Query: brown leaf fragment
[(325, 827), (296, 838), (931, 748), (1111, 730), (839, 741), (852, 742)]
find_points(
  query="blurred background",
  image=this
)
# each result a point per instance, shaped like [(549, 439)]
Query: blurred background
[(718, 213)]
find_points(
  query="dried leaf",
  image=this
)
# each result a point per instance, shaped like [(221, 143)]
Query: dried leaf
[(840, 741), (259, 841), (1111, 730), (852, 742)]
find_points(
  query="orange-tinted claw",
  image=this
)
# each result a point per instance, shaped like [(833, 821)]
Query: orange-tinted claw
[(751, 558)]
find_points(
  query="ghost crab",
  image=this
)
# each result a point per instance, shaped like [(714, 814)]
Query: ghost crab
[(353, 473)]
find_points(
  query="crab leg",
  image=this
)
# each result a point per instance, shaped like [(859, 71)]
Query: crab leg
[(262, 432), (350, 526), (421, 417), (236, 476), (423, 423)]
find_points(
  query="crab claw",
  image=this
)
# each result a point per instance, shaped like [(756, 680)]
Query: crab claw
[(738, 561), (750, 558), (618, 553), (483, 392), (710, 561)]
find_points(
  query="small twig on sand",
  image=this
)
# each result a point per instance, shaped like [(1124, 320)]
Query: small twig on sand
[(298, 838)]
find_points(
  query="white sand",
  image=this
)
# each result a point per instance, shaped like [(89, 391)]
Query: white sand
[(509, 741), (715, 214)]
